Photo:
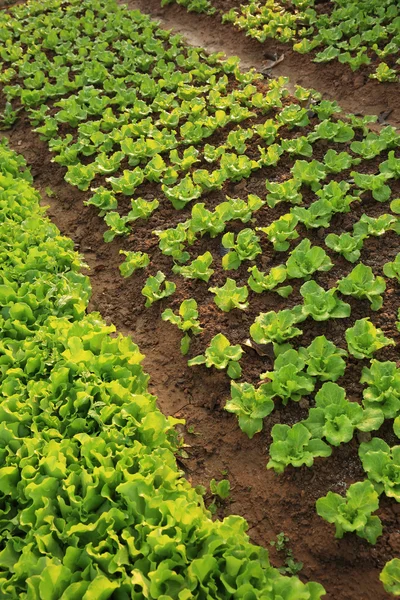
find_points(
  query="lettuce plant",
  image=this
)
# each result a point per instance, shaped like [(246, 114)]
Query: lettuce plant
[(269, 157), (298, 146), (391, 166), (376, 184), (236, 209), (181, 194), (277, 326), (199, 268), (323, 359), (132, 262), (260, 282), (209, 181), (172, 242), (251, 405), (392, 268), (80, 175), (319, 214), (103, 199), (362, 283), (335, 418), (354, 512), (288, 380), (322, 304), (346, 244), (187, 320), (245, 247), (280, 231), (107, 164), (364, 339), (304, 260), (338, 131), (390, 577), (206, 221), (294, 446), (293, 115), (127, 182), (230, 296), (287, 191), (382, 465), (117, 224), (141, 209), (309, 173), (375, 226), (383, 387), (236, 168), (336, 162), (156, 288), (221, 355)]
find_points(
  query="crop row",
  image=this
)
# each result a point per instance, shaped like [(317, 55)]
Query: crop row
[(355, 33), (92, 503), (169, 140)]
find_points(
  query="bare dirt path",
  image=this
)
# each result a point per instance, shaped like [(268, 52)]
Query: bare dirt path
[(354, 91)]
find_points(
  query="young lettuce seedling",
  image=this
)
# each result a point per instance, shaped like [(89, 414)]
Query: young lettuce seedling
[(187, 321)]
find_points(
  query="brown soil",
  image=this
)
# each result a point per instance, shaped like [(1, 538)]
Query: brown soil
[(354, 91), (348, 568)]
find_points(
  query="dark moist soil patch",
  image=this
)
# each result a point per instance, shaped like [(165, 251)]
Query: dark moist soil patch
[(355, 92), (348, 568)]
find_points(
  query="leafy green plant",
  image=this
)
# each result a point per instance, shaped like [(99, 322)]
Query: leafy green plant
[(127, 182), (294, 446), (382, 465), (245, 247), (230, 296), (260, 282), (383, 387), (323, 359), (346, 244), (199, 268), (335, 418), (181, 194), (280, 231), (309, 173), (103, 199), (375, 226), (172, 242), (80, 175), (187, 320), (362, 283), (117, 226), (390, 576), (319, 214), (322, 304), (392, 268), (221, 488), (288, 380), (291, 567), (251, 405), (141, 209), (376, 184), (286, 191), (221, 355), (364, 339), (156, 288), (304, 260), (132, 262), (354, 512), (277, 326)]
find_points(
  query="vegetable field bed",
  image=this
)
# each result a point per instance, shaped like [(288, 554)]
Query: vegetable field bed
[(257, 239), (354, 90)]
